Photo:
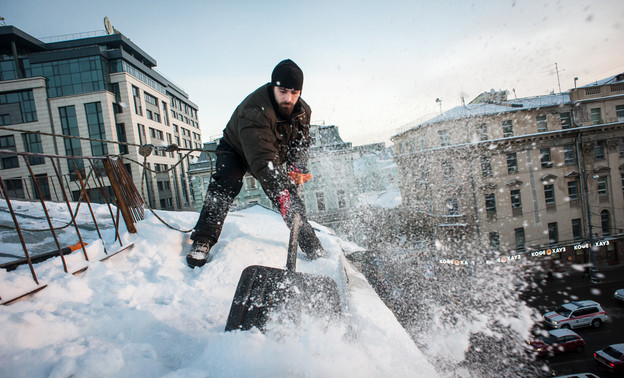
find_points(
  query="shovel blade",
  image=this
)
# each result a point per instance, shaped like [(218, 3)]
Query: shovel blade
[(264, 291)]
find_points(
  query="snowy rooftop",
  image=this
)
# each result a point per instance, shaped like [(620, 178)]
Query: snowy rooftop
[(144, 313), (619, 78), (489, 108), (480, 109)]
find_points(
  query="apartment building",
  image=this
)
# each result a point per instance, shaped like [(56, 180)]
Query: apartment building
[(537, 177), (103, 88)]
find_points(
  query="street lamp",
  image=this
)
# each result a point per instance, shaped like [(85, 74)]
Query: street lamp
[(592, 255)]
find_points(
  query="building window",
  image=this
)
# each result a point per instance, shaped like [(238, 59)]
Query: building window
[(33, 144), (516, 200), (445, 138), (621, 148), (482, 132), (573, 190), (121, 136), (576, 229), (74, 76), (165, 113), (15, 188), (44, 185), (553, 233), (447, 170), (602, 186), (142, 135), (545, 158), (494, 241), (542, 124), (17, 107), (486, 166), (320, 201), (549, 194), (156, 134), (138, 109), (490, 203), (606, 222), (569, 156), (520, 239), (7, 142), (421, 143), (507, 128), (5, 119), (566, 120), (342, 199), (596, 116), (250, 183), (69, 127), (599, 150), (452, 205), (619, 112), (512, 163), (95, 124), (150, 99)]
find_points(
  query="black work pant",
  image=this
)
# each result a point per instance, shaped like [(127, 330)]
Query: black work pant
[(226, 184)]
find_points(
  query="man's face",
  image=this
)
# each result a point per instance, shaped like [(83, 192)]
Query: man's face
[(286, 99)]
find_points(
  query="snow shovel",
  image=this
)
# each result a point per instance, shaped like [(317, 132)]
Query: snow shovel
[(263, 291)]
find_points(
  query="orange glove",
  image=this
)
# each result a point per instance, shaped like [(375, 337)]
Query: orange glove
[(299, 175)]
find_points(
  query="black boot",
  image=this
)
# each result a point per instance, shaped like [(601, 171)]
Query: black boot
[(199, 254)]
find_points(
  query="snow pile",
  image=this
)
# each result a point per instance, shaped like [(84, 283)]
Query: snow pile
[(143, 312)]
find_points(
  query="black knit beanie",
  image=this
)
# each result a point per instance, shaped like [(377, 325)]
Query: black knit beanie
[(287, 75)]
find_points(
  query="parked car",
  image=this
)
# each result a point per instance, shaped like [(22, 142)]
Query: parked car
[(611, 357), (558, 341), (576, 314), (619, 294)]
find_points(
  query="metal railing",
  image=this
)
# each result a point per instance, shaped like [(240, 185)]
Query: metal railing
[(87, 179)]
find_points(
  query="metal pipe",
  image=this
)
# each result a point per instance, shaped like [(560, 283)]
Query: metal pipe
[(70, 210), (45, 210), (86, 196), (19, 231), (101, 188)]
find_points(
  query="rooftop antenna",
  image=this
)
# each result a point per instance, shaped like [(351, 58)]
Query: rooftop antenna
[(558, 82), (440, 102), (575, 80), (514, 91)]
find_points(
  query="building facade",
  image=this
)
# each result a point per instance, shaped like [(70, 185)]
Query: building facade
[(101, 88), (538, 176)]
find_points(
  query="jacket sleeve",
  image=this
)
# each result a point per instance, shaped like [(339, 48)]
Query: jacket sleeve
[(298, 153), (259, 145)]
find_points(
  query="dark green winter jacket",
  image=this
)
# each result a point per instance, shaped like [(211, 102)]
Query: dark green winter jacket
[(266, 140)]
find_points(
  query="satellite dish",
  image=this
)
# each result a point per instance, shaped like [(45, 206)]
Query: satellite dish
[(108, 26)]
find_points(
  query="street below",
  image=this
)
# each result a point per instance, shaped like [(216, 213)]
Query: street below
[(575, 285)]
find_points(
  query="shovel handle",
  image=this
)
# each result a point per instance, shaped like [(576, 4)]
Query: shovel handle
[(291, 260)]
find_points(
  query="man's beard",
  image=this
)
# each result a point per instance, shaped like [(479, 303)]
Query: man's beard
[(285, 109)]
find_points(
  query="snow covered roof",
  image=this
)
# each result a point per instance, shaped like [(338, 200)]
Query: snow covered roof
[(619, 78), (481, 109), (496, 107)]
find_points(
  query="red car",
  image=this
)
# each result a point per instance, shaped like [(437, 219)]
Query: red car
[(558, 341), (611, 357)]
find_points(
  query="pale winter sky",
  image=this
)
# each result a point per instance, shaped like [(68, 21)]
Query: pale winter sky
[(370, 66)]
